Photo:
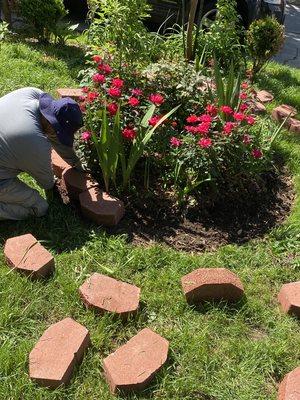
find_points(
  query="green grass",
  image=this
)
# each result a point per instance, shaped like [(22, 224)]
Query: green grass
[(218, 353)]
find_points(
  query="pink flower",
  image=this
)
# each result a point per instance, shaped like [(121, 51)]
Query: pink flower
[(85, 136), (192, 119), (257, 153), (250, 120), (175, 142), (85, 89), (114, 92), (226, 110), (205, 118), (247, 139), (117, 83), (112, 108), (244, 85), (128, 133), (156, 99), (203, 128), (92, 96), (99, 78), (239, 116), (228, 128), (136, 92), (174, 124), (244, 107), (191, 129), (211, 109), (105, 68), (154, 120), (243, 96), (133, 101), (205, 143), (97, 59)]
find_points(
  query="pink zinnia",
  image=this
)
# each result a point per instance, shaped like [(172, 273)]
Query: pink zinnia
[(112, 108), (250, 120), (133, 101), (244, 85), (203, 128), (85, 89), (226, 110), (129, 133), (85, 136), (154, 120), (114, 92), (97, 59), (175, 142), (191, 129), (211, 109), (228, 128), (105, 68), (205, 118), (117, 83), (205, 143), (244, 107), (257, 153), (239, 116), (192, 119), (247, 139), (243, 96), (136, 92), (99, 78), (156, 99), (91, 96)]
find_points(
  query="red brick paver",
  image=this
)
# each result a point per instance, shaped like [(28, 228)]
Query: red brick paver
[(77, 182), (133, 365), (208, 284), (25, 254), (107, 294), (289, 298), (264, 97), (58, 164), (289, 388), (53, 358), (75, 94), (101, 207)]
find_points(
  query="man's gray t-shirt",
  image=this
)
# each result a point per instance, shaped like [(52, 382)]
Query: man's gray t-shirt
[(23, 145)]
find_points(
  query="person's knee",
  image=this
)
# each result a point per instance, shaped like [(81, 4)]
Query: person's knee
[(41, 208)]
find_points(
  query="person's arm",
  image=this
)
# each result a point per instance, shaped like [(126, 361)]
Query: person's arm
[(66, 153)]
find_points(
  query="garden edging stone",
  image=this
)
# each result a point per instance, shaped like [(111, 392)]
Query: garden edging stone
[(289, 388), (289, 298), (76, 182), (75, 94), (58, 164)]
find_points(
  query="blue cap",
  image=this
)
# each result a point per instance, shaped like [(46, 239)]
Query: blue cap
[(64, 115)]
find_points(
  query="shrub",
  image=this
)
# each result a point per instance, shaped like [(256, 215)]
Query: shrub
[(264, 39), (42, 15), (223, 38)]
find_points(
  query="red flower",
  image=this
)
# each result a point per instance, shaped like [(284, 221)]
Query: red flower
[(85, 136), (250, 120), (174, 124), (129, 133), (97, 59), (191, 129), (133, 101), (136, 92), (243, 96), (154, 120), (228, 128), (205, 118), (175, 142), (192, 119), (239, 116), (226, 110), (156, 99), (203, 128), (85, 89), (244, 85), (244, 107), (114, 92), (99, 78), (91, 96), (105, 68), (211, 109), (117, 83), (257, 153), (205, 143), (112, 108), (247, 139)]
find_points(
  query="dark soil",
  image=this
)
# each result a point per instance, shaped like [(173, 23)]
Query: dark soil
[(154, 217)]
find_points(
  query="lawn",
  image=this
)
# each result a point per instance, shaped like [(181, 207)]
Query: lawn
[(218, 353)]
